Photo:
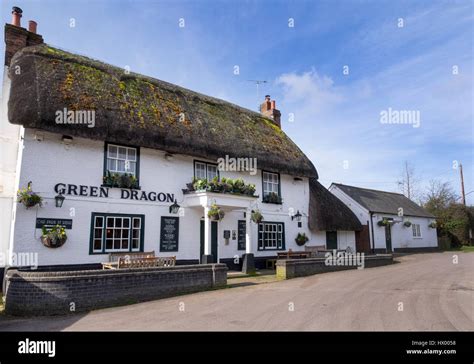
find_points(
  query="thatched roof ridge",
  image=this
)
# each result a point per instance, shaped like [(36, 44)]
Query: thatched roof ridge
[(327, 212), (143, 111)]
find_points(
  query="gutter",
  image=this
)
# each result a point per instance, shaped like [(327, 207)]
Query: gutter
[(372, 230)]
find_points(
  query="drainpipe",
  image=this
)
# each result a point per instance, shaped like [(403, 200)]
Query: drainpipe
[(372, 230)]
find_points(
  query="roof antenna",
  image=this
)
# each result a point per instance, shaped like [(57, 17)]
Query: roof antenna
[(258, 83)]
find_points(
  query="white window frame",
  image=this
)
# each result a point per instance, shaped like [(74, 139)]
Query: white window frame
[(416, 231), (273, 236), (202, 170), (271, 183), (134, 233), (128, 160)]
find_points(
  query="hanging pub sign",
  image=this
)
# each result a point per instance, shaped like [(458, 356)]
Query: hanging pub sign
[(169, 234), (50, 222)]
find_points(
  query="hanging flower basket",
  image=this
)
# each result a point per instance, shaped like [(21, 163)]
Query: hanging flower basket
[(215, 213), (301, 239), (256, 216), (29, 198), (384, 222), (407, 224), (54, 237)]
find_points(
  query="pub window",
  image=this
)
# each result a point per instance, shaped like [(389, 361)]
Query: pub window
[(116, 233), (204, 170), (271, 187), (120, 159), (416, 230), (271, 236)]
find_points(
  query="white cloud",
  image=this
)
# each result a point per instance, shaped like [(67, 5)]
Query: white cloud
[(309, 90)]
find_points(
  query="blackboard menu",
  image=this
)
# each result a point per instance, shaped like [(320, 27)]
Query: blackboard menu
[(50, 222), (169, 234), (241, 235)]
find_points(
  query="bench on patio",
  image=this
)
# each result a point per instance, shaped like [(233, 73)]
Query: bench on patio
[(146, 262), (315, 249), (115, 257), (293, 255)]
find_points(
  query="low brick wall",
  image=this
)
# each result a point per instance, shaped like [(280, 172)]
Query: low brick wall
[(59, 292), (292, 268)]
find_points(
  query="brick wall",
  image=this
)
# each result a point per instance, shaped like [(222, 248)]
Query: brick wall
[(292, 268), (52, 293)]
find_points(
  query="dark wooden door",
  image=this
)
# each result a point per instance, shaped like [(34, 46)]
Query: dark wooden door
[(388, 238), (363, 239), (213, 240), (331, 239)]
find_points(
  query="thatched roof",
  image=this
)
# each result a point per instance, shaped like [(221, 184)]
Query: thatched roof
[(139, 110), (327, 212), (383, 201)]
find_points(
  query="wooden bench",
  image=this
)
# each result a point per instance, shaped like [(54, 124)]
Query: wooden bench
[(115, 257), (293, 255), (146, 262)]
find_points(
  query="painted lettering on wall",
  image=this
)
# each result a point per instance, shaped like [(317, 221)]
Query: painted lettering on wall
[(125, 194)]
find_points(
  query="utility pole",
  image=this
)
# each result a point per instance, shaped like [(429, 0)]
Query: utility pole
[(408, 180), (463, 194)]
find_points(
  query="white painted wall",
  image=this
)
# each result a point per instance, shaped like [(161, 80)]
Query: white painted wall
[(402, 236), (48, 162), (9, 149)]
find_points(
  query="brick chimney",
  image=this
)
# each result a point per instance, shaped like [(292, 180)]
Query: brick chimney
[(268, 109), (17, 37)]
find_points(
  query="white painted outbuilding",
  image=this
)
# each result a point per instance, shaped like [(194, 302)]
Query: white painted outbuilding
[(408, 227)]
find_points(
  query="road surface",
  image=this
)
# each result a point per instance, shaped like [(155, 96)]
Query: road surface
[(420, 292)]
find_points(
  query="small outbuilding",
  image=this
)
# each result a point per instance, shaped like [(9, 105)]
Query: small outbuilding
[(390, 221)]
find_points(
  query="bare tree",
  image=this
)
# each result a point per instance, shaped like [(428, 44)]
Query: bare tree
[(439, 196), (409, 181)]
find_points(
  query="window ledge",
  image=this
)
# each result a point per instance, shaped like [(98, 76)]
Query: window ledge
[(122, 188), (272, 203)]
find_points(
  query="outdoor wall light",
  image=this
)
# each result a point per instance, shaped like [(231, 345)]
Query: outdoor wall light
[(297, 216), (59, 199), (174, 208)]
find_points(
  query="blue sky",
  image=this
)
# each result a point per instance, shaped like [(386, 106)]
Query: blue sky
[(336, 115)]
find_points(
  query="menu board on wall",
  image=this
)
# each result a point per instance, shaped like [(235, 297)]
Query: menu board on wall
[(169, 234), (241, 235)]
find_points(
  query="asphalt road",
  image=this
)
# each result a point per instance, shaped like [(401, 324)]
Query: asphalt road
[(421, 292)]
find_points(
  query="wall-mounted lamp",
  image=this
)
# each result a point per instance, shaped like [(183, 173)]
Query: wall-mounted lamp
[(59, 199), (297, 216), (169, 157), (174, 208)]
